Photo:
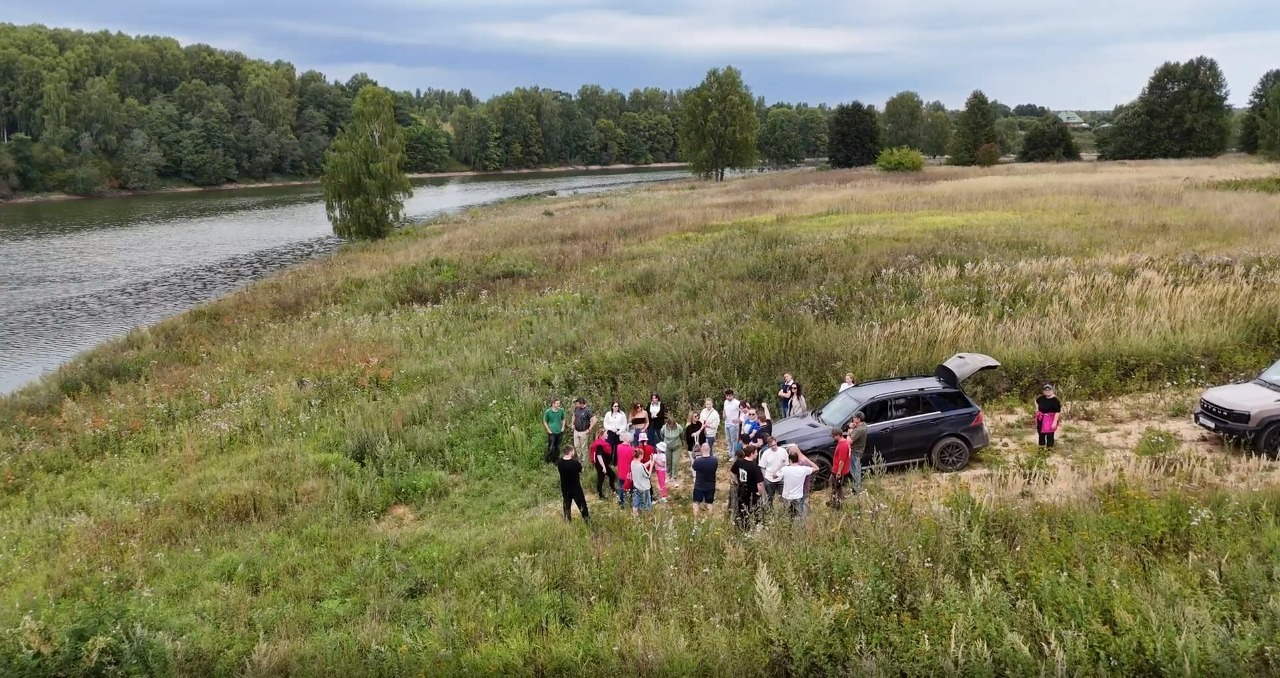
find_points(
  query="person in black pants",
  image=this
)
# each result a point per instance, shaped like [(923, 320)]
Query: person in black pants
[(1048, 415), (571, 484), (603, 461)]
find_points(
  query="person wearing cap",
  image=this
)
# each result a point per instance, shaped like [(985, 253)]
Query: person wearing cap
[(584, 421), (660, 471), (1048, 415)]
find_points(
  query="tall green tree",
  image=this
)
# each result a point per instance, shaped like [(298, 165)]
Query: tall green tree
[(426, 148), (1008, 136), (813, 132), (364, 183), (1030, 111), (975, 127), (1048, 140), (854, 136), (904, 121), (1259, 100), (936, 135), (780, 142), (1269, 124), (1181, 113), (140, 161), (718, 124)]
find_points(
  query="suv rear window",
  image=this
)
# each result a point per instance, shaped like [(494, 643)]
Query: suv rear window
[(950, 401)]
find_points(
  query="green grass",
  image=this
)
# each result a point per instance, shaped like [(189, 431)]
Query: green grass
[(336, 471), (1262, 185)]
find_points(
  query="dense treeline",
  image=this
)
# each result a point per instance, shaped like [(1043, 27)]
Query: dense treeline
[(86, 113)]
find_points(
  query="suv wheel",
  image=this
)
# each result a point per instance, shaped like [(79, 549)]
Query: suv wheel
[(1267, 442), (950, 454), (821, 477)]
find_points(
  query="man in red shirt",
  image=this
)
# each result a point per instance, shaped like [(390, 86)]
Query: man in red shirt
[(839, 468)]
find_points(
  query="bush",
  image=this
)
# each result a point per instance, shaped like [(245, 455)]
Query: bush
[(1048, 140), (987, 155), (1156, 442), (901, 159)]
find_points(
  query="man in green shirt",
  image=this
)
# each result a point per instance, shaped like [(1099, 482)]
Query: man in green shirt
[(553, 421)]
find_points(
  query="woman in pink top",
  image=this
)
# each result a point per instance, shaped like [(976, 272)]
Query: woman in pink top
[(660, 470)]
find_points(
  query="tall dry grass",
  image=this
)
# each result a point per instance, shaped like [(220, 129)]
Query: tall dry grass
[(338, 466)]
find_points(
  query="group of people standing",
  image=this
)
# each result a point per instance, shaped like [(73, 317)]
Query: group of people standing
[(638, 452)]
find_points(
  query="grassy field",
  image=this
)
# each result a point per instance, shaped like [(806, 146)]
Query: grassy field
[(337, 470)]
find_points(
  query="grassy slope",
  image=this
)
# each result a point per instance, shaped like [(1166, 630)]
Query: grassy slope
[(339, 466)]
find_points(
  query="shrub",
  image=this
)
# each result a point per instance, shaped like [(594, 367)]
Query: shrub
[(1156, 442), (901, 159), (1264, 185), (1048, 140), (987, 155)]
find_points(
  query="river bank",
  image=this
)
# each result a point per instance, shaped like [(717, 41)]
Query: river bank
[(340, 465), (60, 197)]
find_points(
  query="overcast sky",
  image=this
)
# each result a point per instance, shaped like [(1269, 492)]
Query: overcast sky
[(1088, 54)]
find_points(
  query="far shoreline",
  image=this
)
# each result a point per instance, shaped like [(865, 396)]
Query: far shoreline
[(62, 197)]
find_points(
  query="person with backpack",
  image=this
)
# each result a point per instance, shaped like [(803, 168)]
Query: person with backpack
[(641, 485), (571, 484), (583, 421)]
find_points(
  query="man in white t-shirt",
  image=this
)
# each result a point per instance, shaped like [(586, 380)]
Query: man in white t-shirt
[(793, 475), (710, 420), (732, 422), (772, 461)]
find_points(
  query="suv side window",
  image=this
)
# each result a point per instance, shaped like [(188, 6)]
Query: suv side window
[(949, 401), (902, 407), (876, 412)]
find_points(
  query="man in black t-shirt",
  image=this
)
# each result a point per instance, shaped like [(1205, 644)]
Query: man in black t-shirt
[(571, 484), (704, 480), (750, 487)]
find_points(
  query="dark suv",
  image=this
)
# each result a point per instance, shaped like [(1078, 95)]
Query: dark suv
[(909, 419)]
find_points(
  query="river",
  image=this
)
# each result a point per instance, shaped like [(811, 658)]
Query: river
[(76, 273)]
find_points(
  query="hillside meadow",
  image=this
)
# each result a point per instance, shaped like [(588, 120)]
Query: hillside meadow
[(337, 471)]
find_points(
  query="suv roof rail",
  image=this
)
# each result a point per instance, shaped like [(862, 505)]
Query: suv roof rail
[(893, 379)]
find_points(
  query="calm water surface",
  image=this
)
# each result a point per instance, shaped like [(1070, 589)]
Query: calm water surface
[(76, 273)]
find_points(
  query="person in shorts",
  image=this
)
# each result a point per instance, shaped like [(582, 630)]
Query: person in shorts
[(704, 481)]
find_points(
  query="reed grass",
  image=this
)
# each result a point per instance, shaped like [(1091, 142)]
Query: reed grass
[(336, 470)]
